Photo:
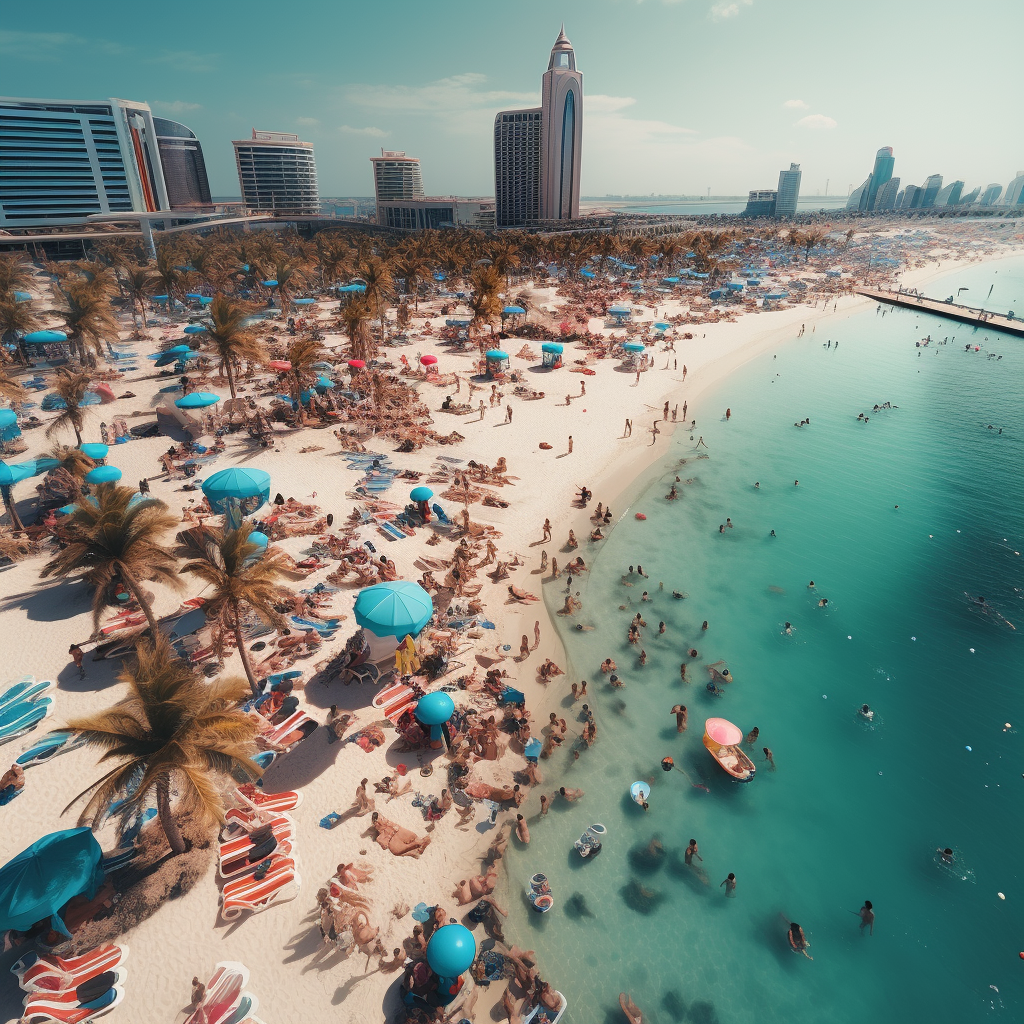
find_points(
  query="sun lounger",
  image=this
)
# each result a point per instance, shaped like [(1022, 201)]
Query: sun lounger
[(21, 718), (223, 994), (270, 802), (25, 689), (299, 721), (66, 1008), (390, 531), (36, 973), (362, 674), (395, 701), (279, 885)]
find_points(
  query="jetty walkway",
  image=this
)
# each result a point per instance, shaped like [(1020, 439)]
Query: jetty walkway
[(977, 318)]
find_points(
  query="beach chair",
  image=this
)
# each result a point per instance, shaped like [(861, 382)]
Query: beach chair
[(49, 747), (390, 531), (223, 994), (23, 717), (299, 721), (246, 894), (394, 701), (68, 1008), (38, 973), (271, 802), (361, 674)]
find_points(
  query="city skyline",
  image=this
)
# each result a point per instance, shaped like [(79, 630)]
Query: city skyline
[(681, 97)]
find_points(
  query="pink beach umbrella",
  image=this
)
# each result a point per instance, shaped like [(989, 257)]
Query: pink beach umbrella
[(723, 732), (280, 364), (356, 364), (428, 360)]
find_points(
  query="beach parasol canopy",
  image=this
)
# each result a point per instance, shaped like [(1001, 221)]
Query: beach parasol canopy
[(633, 346), (40, 880), (194, 295), (237, 484), (177, 350), (421, 493), (303, 302), (13, 474), (22, 296), (283, 365), (428, 360), (8, 417), (398, 608), (44, 337), (356, 364), (261, 540), (435, 708), (197, 400), (552, 346), (512, 311), (269, 284), (94, 450), (496, 353), (662, 326), (451, 950), (589, 274), (103, 475), (195, 329), (723, 732)]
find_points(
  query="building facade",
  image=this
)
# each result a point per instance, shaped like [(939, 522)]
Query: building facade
[(950, 194), (396, 176), (912, 197), (761, 203), (436, 212), (930, 191), (789, 192), (880, 174), (517, 159), (885, 198), (64, 160), (1015, 191), (181, 159), (277, 174), (991, 195), (538, 152)]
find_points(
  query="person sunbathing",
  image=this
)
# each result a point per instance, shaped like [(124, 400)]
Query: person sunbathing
[(519, 594), (350, 875), (402, 842), (484, 791)]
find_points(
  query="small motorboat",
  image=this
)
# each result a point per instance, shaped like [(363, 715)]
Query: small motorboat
[(539, 894), (589, 844), (542, 1015), (722, 739)]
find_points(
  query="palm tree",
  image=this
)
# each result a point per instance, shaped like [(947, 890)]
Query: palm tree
[(412, 267), (229, 337), (73, 460), (70, 386), (166, 271), (376, 275), (87, 315), (138, 283), (10, 390), (811, 238), (302, 354), (290, 275), (333, 257), (7, 494), (15, 273), (224, 561), (173, 731), (16, 320), (484, 302), (118, 538), (354, 315)]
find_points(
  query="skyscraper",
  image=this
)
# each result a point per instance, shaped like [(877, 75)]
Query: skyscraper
[(950, 195), (858, 197), (880, 174), (277, 174), (538, 151), (64, 160), (1014, 191), (971, 197), (930, 189), (912, 195), (885, 199), (181, 157), (396, 176), (991, 195), (789, 191)]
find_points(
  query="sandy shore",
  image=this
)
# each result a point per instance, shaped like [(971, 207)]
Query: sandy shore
[(41, 619)]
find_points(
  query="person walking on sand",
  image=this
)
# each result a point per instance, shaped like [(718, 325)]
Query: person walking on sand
[(570, 444), (654, 432), (524, 647), (79, 658), (664, 412), (536, 634), (508, 413), (547, 530), (482, 408), (583, 388), (627, 430)]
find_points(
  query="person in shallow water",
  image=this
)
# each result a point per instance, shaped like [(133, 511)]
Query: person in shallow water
[(867, 917), (798, 941), (947, 855), (865, 712)]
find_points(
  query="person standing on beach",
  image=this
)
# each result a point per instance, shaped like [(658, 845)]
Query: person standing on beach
[(508, 413), (482, 408), (570, 444), (547, 530), (664, 413), (536, 634), (627, 430), (79, 658)]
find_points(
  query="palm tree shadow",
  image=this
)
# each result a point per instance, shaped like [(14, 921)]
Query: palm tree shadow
[(50, 602), (304, 763)]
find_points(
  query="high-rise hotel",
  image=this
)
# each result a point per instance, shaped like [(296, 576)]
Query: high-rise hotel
[(538, 151)]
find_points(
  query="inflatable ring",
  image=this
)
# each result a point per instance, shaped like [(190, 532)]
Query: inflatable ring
[(543, 904), (640, 515)]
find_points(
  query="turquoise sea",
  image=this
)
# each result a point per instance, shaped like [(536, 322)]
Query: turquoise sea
[(854, 811)]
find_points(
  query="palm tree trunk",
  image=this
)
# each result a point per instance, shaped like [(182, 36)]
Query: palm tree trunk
[(78, 434), (243, 653), (12, 510), (167, 821), (229, 370), (136, 589)]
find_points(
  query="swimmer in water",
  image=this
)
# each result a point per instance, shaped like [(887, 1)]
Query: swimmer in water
[(866, 712), (757, 484), (772, 534), (580, 628), (704, 626), (677, 595), (681, 715), (661, 627), (769, 757), (788, 629), (810, 586), (691, 852), (823, 603), (692, 652), (798, 940), (947, 855), (867, 918)]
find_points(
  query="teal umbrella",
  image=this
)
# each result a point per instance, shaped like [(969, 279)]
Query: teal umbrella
[(44, 337), (248, 487), (11, 475), (40, 880), (103, 475), (7, 417), (451, 950), (397, 609), (194, 329), (421, 494), (197, 400), (94, 450)]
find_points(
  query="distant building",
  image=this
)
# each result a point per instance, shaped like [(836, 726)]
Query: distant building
[(436, 212), (538, 150), (396, 176), (930, 191), (761, 203), (991, 195), (858, 197), (949, 195), (181, 157), (912, 195), (789, 192), (886, 197), (880, 174), (1014, 191), (64, 160), (971, 198), (277, 174)]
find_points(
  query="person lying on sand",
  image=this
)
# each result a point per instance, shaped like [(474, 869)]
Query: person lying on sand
[(519, 594), (402, 842)]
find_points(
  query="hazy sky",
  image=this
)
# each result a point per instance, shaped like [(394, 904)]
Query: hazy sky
[(678, 96)]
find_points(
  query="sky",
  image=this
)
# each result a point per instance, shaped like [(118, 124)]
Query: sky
[(680, 96)]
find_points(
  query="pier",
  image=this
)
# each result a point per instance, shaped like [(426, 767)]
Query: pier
[(951, 310)]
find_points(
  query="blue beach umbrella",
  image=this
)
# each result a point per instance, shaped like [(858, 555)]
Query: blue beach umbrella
[(323, 383), (22, 297), (195, 329), (435, 708), (44, 337), (197, 400), (7, 417), (512, 311), (194, 296), (237, 492), (662, 326), (398, 608), (588, 274), (633, 346), (303, 302), (261, 540), (41, 879), (269, 284), (95, 450), (421, 494), (177, 350), (13, 474), (103, 475), (451, 950)]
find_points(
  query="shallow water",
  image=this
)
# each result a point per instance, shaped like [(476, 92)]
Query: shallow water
[(853, 812)]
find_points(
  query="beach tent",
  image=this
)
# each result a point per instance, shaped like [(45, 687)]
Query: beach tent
[(497, 362), (398, 608), (551, 355), (237, 492), (197, 400), (634, 349), (103, 475), (38, 882), (303, 302), (512, 311)]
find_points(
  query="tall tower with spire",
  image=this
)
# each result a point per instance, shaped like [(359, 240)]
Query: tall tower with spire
[(538, 151)]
